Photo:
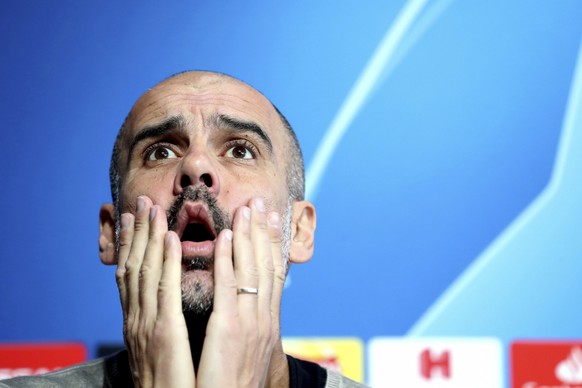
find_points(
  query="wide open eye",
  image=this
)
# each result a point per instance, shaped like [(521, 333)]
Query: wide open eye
[(239, 152), (160, 153)]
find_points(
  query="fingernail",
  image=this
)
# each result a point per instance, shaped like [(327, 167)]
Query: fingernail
[(140, 204), (260, 204), (228, 234), (168, 238), (246, 212), (152, 213)]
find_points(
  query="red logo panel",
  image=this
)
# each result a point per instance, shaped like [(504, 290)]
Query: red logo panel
[(30, 359), (546, 363)]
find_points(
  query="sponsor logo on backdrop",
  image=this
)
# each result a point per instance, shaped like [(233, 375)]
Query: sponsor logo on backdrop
[(432, 363), (570, 370), (31, 359), (344, 355), (435, 362), (546, 364)]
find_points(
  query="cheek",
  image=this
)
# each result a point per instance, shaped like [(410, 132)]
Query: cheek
[(158, 187), (239, 190)]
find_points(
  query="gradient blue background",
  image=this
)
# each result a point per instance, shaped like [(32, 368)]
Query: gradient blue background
[(440, 210)]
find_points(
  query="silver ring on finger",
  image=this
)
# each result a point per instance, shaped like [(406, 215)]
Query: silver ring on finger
[(247, 290)]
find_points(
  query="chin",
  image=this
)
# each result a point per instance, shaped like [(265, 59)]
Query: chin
[(197, 291)]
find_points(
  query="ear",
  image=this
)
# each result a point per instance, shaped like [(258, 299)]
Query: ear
[(302, 232), (107, 252)]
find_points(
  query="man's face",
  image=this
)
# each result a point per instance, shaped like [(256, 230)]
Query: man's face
[(200, 146)]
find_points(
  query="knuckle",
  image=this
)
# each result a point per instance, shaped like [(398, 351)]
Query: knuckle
[(156, 235), (275, 237), (126, 278), (142, 342), (120, 274), (244, 231), (125, 237), (124, 240), (230, 283), (280, 276), (143, 325), (164, 287), (145, 270), (141, 225), (130, 265), (267, 269), (252, 272), (267, 263), (128, 333), (130, 327), (261, 224)]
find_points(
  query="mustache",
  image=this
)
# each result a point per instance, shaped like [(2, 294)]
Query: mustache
[(220, 218)]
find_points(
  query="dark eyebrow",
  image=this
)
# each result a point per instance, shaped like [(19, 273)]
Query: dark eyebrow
[(157, 130), (243, 126)]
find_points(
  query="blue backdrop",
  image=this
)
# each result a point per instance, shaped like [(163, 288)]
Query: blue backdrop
[(443, 142)]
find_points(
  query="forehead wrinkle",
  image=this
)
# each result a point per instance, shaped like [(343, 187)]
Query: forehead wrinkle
[(194, 94)]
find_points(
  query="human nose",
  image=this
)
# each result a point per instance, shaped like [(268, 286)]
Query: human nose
[(197, 168)]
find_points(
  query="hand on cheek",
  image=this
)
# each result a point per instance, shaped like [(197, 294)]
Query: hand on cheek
[(148, 278), (243, 329)]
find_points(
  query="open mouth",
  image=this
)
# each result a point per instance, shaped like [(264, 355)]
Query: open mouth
[(195, 224), (197, 232)]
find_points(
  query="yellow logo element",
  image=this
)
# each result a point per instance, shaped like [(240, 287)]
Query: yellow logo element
[(343, 355)]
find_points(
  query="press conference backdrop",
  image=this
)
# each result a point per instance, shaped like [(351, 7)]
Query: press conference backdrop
[(442, 141)]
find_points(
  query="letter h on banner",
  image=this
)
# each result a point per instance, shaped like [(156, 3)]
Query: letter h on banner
[(430, 362)]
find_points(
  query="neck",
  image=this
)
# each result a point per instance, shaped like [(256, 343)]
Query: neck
[(196, 324), (278, 375)]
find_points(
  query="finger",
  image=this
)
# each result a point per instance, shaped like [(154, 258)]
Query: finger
[(275, 227), (151, 267), (245, 267), (225, 282), (169, 291), (136, 254), (263, 261), (125, 239)]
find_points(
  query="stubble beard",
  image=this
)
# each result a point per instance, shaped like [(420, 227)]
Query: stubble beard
[(198, 288)]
